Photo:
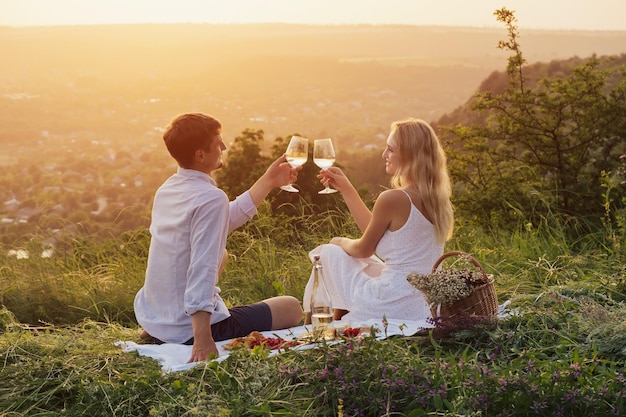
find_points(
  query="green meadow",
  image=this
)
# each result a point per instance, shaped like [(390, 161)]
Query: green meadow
[(538, 163), (562, 354)]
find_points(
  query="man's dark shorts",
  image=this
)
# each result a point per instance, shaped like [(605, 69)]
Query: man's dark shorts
[(242, 321)]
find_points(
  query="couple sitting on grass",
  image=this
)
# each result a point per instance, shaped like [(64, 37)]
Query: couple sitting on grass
[(191, 218)]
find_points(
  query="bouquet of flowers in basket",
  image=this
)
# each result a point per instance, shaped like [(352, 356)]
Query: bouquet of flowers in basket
[(447, 286), (453, 292)]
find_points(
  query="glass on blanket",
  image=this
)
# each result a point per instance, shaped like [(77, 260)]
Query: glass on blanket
[(321, 306)]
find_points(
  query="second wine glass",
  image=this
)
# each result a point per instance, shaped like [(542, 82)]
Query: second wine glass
[(297, 154), (324, 157)]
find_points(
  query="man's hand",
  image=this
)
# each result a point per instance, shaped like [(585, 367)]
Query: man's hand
[(277, 174), (203, 343), (201, 351), (280, 173)]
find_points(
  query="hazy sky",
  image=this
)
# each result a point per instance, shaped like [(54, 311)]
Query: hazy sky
[(544, 14)]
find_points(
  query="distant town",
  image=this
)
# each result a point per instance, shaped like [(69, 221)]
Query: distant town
[(83, 108)]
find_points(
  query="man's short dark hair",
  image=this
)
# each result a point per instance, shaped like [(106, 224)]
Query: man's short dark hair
[(187, 133)]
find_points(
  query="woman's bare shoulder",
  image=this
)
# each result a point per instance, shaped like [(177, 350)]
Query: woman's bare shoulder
[(393, 196), (392, 201)]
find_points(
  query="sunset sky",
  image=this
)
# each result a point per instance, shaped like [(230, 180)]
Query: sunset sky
[(540, 14)]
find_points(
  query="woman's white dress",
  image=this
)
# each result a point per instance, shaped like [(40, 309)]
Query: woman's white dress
[(370, 288)]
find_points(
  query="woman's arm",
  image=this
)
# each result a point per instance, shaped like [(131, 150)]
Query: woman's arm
[(384, 211), (338, 180)]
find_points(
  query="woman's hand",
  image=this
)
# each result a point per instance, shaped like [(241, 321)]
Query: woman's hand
[(337, 241), (338, 180), (335, 177)]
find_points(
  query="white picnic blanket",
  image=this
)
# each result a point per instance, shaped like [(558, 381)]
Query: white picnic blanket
[(173, 357)]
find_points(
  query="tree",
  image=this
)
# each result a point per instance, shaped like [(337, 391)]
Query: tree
[(556, 137), (307, 200), (244, 163)]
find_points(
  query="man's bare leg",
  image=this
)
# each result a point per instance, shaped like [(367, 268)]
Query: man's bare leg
[(286, 311)]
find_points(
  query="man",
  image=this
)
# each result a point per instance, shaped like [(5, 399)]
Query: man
[(191, 219)]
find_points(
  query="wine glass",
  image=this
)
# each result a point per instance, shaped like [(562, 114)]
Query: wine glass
[(297, 154), (324, 157)]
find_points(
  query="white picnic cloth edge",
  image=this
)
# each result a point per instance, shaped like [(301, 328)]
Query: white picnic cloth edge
[(173, 357)]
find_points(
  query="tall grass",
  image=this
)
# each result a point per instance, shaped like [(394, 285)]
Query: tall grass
[(562, 355), (90, 280)]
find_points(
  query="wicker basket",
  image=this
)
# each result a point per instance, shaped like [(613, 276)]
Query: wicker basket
[(482, 301)]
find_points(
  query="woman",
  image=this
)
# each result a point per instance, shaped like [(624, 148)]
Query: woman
[(405, 231)]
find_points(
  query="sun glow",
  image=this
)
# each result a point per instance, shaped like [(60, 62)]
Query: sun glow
[(553, 14)]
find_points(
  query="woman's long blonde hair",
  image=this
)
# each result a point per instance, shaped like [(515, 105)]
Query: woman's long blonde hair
[(423, 165)]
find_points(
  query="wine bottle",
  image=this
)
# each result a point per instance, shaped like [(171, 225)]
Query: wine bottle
[(321, 305)]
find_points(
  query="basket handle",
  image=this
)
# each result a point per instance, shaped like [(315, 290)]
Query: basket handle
[(463, 255)]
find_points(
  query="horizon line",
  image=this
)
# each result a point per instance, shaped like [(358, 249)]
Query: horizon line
[(484, 27)]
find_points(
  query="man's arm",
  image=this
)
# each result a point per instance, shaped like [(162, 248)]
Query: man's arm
[(279, 173), (207, 237), (244, 207), (203, 343)]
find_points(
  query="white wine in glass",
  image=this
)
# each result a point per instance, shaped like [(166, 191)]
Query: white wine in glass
[(297, 154), (324, 157)]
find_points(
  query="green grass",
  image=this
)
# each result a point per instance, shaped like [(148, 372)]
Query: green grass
[(564, 354)]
